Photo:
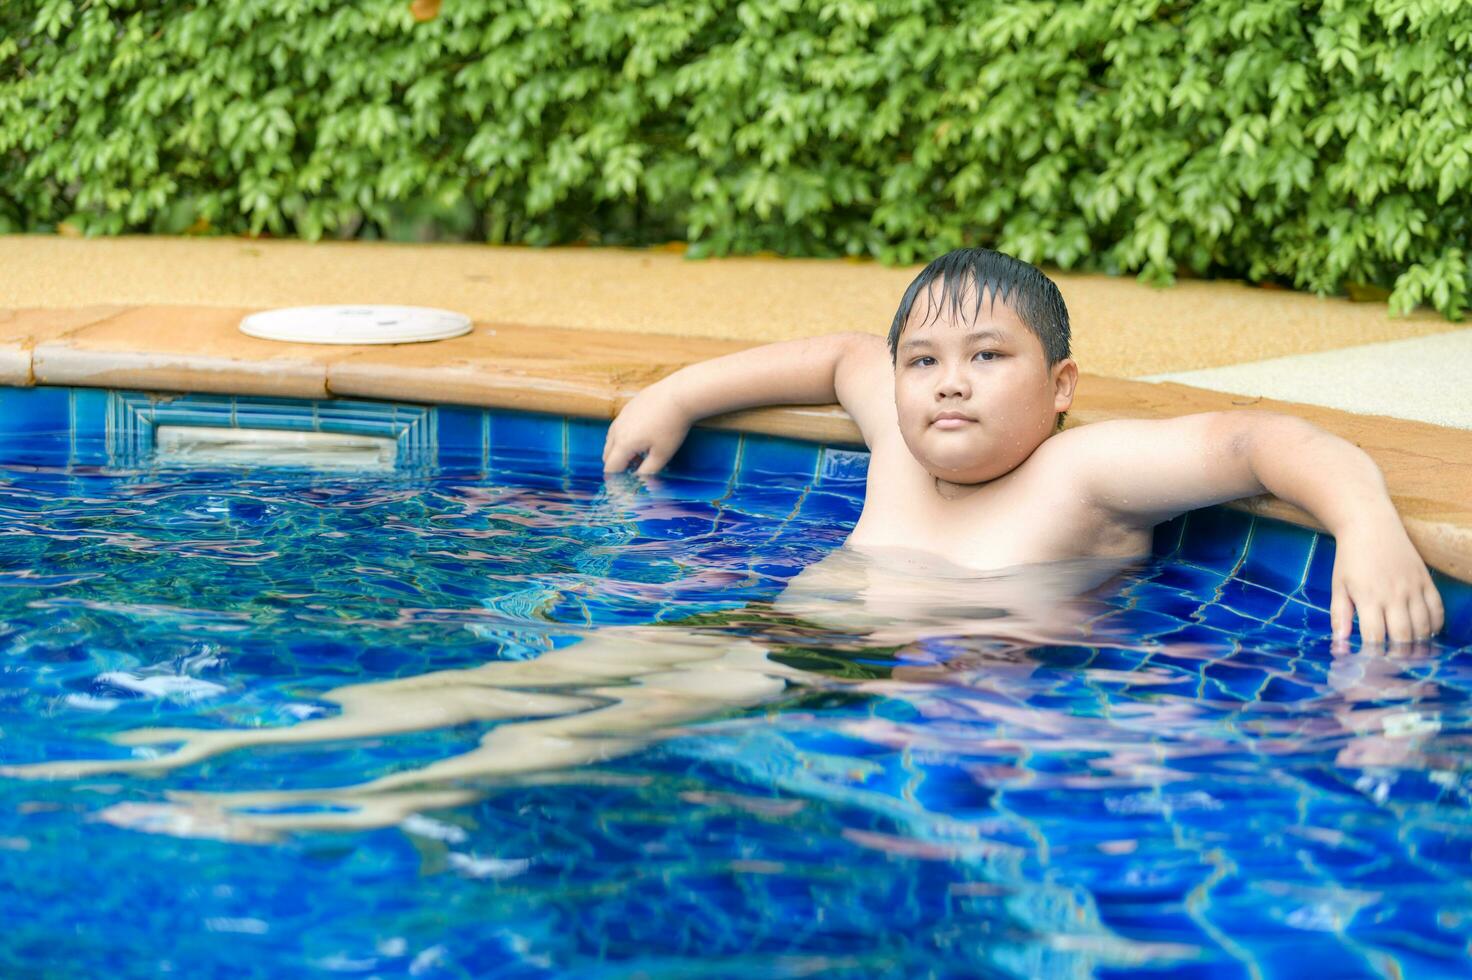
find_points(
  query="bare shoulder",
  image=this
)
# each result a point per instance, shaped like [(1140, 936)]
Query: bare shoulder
[(864, 383), (1118, 441), (1072, 462), (1147, 470)]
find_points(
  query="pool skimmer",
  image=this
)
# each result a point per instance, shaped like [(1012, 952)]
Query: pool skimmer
[(199, 444), (356, 324)]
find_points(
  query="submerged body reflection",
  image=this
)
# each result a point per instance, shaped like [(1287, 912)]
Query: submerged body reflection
[(618, 689)]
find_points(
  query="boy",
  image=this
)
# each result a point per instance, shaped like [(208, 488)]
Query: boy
[(962, 421)]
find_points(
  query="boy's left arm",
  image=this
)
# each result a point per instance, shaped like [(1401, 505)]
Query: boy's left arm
[(1145, 472)]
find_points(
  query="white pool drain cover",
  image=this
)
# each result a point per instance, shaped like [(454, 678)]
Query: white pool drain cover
[(356, 324)]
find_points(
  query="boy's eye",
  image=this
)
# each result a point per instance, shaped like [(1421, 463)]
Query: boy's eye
[(987, 355), (920, 361)]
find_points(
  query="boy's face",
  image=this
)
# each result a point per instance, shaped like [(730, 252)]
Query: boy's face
[(990, 370)]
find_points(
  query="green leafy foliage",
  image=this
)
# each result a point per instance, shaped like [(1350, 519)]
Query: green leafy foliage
[(1327, 145)]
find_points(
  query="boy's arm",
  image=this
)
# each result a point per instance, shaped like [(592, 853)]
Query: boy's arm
[(795, 372), (1145, 472)]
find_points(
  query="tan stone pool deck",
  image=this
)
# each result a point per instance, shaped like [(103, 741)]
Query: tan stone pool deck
[(579, 331)]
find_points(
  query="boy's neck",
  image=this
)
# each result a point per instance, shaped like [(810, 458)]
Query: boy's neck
[(955, 491)]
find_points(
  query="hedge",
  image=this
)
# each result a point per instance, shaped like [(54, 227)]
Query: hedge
[(1323, 145)]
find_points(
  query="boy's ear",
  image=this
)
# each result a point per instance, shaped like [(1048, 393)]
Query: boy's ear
[(1065, 380)]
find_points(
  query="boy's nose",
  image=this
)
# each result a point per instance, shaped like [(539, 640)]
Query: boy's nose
[(953, 385)]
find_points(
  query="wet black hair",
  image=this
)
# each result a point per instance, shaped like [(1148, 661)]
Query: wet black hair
[(1032, 295)]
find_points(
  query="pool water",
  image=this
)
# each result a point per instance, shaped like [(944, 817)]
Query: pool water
[(1204, 787)]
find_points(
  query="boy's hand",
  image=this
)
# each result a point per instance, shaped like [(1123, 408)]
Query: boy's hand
[(1379, 576), (652, 424)]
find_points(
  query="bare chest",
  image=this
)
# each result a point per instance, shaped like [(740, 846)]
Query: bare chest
[(1024, 517)]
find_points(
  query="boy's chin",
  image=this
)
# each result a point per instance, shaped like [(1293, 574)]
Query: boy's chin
[(966, 473), (974, 464)]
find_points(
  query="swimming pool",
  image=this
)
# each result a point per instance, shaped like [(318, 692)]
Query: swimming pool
[(1202, 787)]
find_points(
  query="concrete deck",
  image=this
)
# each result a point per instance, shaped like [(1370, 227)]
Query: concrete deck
[(1121, 328), (1422, 378)]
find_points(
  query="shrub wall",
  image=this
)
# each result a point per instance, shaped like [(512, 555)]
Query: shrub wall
[(1326, 145)]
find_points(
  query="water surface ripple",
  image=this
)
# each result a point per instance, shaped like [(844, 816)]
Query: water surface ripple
[(449, 724)]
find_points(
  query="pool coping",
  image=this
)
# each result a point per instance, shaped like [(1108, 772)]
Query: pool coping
[(588, 374)]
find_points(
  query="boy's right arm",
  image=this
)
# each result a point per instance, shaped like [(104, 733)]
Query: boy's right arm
[(810, 371)]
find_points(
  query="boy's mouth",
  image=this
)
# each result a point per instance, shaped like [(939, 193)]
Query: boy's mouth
[(951, 420)]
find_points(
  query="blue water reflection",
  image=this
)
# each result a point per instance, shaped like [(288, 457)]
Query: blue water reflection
[(601, 730)]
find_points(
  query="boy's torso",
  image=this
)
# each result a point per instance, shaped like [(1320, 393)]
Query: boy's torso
[(1031, 527), (1036, 513)]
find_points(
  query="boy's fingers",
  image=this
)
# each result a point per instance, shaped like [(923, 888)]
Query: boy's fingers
[(616, 459), (1372, 625), (655, 461), (1398, 623), (1341, 613), (1433, 604), (1420, 617)]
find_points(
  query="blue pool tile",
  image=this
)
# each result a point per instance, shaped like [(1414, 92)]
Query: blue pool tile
[(1167, 537), (775, 503), (1220, 967), (1449, 851), (1152, 595), (1253, 601), (953, 791), (250, 404), (1280, 688), (1240, 681), (1138, 624), (1283, 955), (1398, 953), (585, 439), (1318, 584), (1227, 620), (1200, 635), (1215, 538), (764, 457), (35, 410), (35, 449), (89, 452), (363, 418), (1185, 666), (678, 528), (1456, 600), (260, 413), (1277, 555), (1192, 579), (260, 419), (830, 507), (460, 432), (688, 489), (517, 434), (89, 413), (1117, 659), (208, 413), (708, 454)]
